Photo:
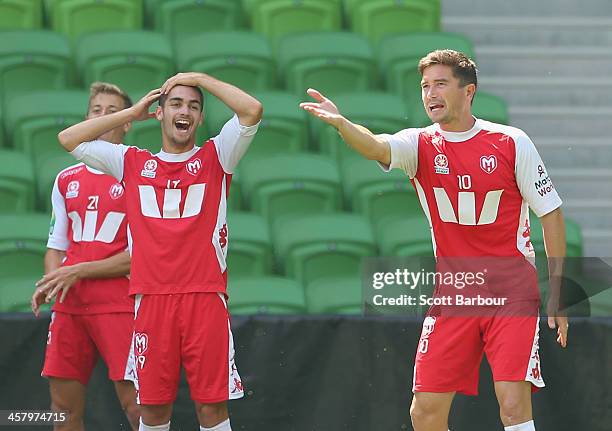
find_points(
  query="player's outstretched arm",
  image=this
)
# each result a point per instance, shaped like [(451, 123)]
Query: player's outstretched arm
[(63, 278), (553, 229), (248, 109), (358, 137), (89, 130)]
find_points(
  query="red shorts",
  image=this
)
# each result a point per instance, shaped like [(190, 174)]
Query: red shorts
[(189, 329), (450, 352), (74, 342)]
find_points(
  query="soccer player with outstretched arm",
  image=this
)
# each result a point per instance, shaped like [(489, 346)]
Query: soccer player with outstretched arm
[(176, 206), (476, 181)]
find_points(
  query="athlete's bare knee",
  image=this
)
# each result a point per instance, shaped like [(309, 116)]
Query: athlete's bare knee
[(127, 398), (68, 396), (156, 414), (514, 400), (210, 415), (429, 413), (514, 409)]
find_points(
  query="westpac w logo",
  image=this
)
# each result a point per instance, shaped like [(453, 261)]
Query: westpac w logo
[(172, 202), (86, 231), (467, 207)]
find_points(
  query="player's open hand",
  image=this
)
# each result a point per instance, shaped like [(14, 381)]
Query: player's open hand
[(38, 299), (141, 109), (191, 79), (557, 319), (62, 278), (323, 108)]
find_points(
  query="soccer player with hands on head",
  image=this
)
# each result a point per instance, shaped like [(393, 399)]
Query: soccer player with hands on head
[(176, 206)]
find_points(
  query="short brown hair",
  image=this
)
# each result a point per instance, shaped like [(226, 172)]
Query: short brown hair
[(163, 97), (463, 67), (106, 88)]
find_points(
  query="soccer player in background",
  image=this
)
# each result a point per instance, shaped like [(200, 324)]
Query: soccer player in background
[(177, 211), (459, 165), (85, 267)]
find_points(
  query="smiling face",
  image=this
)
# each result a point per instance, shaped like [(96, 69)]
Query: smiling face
[(446, 101), (180, 115), (104, 104)]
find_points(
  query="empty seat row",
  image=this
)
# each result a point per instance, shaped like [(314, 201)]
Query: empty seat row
[(273, 18), (139, 61)]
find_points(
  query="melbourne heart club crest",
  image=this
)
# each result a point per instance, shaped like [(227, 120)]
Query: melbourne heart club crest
[(488, 163)]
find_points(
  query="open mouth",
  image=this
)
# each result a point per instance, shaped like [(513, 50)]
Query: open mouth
[(435, 107), (182, 125)]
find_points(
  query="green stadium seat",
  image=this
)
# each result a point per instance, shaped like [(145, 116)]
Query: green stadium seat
[(331, 62), (283, 128), (3, 142), (32, 60), (313, 247), (235, 200), (379, 112), (75, 18), (490, 107), (291, 184), (376, 19), (377, 194), (405, 236), (47, 170), (336, 295), (399, 55), (240, 58), (186, 17), (216, 114), (265, 295), (16, 182), (250, 248), (16, 293), (279, 18), (486, 106), (136, 61), (36, 118), (146, 135), (21, 14), (23, 243)]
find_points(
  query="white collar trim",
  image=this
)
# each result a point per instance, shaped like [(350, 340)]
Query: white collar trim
[(180, 157), (461, 136)]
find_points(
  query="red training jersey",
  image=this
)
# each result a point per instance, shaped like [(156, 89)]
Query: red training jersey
[(89, 223), (176, 204), (476, 187)]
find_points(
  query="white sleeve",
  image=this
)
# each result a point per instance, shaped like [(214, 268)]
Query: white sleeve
[(58, 231), (102, 155), (232, 142), (404, 151), (532, 179)]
